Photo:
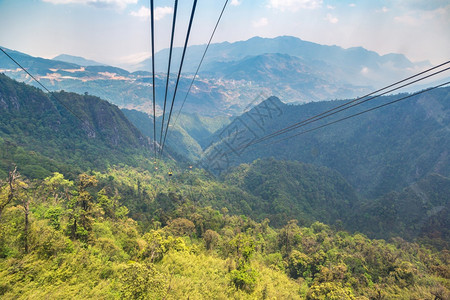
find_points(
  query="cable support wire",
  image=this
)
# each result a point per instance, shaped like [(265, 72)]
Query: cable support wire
[(343, 107), (152, 23), (84, 122), (360, 113), (327, 113), (168, 68), (200, 64), (179, 74)]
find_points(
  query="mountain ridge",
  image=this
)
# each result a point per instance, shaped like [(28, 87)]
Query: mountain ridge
[(352, 147), (81, 61), (233, 74), (93, 129)]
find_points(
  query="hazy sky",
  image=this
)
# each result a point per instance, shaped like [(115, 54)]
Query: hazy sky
[(117, 31)]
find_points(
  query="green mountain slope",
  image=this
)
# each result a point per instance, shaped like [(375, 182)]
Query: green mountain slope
[(292, 190), (377, 152), (421, 210), (186, 137), (33, 125)]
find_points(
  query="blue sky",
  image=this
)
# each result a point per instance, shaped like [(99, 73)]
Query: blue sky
[(117, 31)]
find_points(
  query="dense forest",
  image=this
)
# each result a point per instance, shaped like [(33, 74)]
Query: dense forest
[(384, 150), (35, 127), (73, 239), (84, 213)]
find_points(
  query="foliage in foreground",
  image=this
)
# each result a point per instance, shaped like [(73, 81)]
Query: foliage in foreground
[(74, 239)]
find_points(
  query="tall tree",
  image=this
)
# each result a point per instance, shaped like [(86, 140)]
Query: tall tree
[(81, 208), (11, 185)]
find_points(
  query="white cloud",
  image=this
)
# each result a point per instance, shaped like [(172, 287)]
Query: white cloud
[(261, 22), (423, 5), (352, 5), (160, 12), (97, 3), (384, 9), (235, 2), (365, 70), (407, 20), (331, 7), (438, 16), (134, 58), (295, 5), (331, 19), (143, 12)]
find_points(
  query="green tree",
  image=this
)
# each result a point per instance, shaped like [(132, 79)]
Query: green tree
[(289, 237), (329, 291), (299, 265), (57, 186), (142, 281), (211, 239), (81, 213)]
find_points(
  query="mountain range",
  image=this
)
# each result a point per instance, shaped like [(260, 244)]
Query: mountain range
[(377, 152), (232, 76), (78, 60), (357, 174), (87, 211)]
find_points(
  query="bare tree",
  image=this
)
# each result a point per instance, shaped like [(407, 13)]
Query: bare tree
[(12, 177)]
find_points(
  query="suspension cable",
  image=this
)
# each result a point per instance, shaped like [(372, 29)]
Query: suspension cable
[(153, 73), (339, 107), (342, 107), (85, 122), (200, 64), (179, 73), (360, 113), (168, 68)]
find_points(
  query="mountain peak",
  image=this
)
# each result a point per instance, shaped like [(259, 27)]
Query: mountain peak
[(272, 103), (274, 100), (77, 60)]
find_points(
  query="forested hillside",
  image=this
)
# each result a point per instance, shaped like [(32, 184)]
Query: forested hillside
[(420, 210), (84, 213), (38, 131), (73, 239), (384, 150), (188, 135), (292, 190), (42, 137), (272, 149)]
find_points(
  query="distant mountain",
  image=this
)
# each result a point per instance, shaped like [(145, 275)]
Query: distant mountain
[(77, 60), (232, 76), (358, 65), (286, 75), (378, 152), (42, 136), (35, 65), (209, 97)]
